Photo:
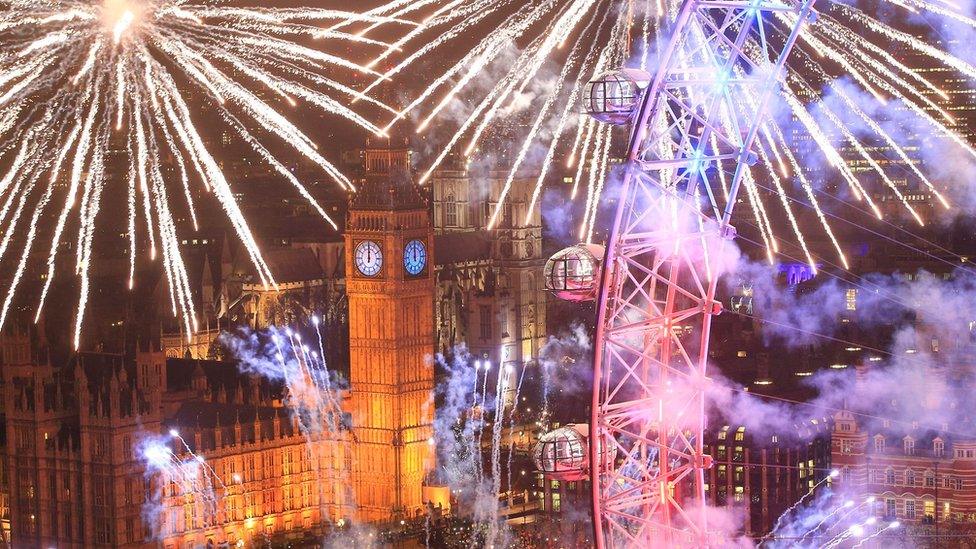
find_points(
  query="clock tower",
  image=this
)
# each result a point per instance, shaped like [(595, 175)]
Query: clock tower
[(390, 285)]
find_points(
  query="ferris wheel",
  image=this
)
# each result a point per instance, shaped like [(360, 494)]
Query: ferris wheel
[(693, 127)]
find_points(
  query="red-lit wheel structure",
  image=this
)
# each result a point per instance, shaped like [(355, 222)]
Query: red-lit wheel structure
[(693, 127)]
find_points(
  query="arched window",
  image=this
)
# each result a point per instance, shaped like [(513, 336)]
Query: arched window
[(910, 509)]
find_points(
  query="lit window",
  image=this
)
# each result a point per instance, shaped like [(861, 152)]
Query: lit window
[(742, 354), (850, 299)]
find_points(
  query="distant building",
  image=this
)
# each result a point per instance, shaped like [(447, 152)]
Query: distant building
[(72, 433), (490, 291), (763, 474)]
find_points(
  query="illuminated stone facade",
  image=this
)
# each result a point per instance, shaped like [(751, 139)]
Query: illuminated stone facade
[(490, 293), (391, 339), (73, 424), (72, 445)]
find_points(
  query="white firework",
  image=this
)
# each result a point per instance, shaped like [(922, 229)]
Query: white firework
[(81, 79)]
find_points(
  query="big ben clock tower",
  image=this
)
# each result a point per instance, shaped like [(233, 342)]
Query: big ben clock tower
[(390, 284)]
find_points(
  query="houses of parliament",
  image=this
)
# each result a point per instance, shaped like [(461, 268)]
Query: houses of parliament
[(412, 274)]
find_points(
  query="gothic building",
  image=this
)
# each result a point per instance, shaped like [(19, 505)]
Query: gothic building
[(490, 292), (390, 290), (73, 436)]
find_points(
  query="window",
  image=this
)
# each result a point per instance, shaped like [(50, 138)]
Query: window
[(847, 446), (450, 211), (889, 476), (909, 446), (890, 509), (484, 312), (909, 477), (929, 479), (879, 444), (939, 447), (846, 474), (850, 299), (910, 508)]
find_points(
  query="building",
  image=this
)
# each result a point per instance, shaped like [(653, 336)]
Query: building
[(762, 474), (78, 425), (390, 291), (490, 291), (75, 433)]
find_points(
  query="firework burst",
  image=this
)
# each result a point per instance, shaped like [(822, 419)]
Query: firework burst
[(584, 38), (81, 80)]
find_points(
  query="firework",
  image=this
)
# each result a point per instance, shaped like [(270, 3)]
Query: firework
[(584, 38), (80, 80)]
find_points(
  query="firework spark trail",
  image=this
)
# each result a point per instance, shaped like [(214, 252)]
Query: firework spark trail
[(877, 72), (815, 204), (830, 153), (847, 505), (863, 152), (479, 462), (498, 422), (754, 201), (511, 423), (590, 187), (590, 127), (114, 67), (855, 530), (779, 521), (193, 476), (564, 118), (601, 179), (552, 41), (527, 66), (196, 458), (892, 526), (473, 15), (837, 38)]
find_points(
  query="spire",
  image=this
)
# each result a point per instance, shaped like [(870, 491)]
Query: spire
[(388, 184)]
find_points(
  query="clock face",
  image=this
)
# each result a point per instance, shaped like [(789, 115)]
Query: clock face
[(415, 257), (369, 258)]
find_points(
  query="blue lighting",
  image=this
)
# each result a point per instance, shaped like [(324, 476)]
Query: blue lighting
[(796, 273)]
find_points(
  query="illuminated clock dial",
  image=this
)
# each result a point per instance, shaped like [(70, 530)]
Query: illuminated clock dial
[(369, 258), (415, 257)]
